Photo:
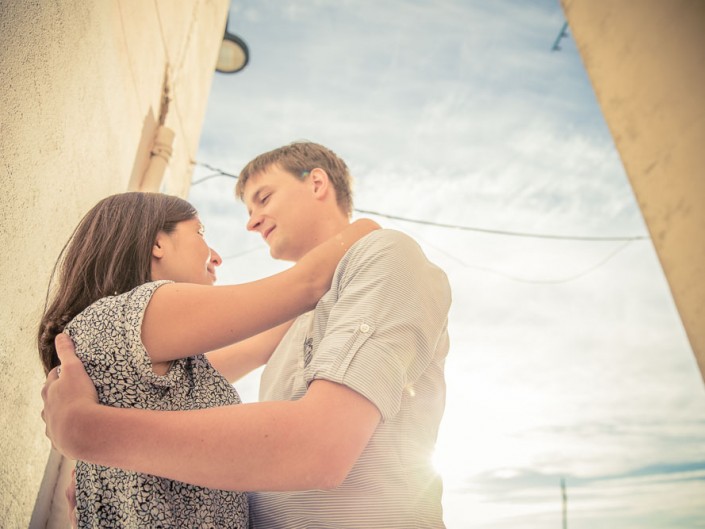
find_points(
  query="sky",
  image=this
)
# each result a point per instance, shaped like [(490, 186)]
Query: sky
[(568, 360)]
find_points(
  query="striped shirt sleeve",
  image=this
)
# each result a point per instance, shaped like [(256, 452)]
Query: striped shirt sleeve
[(385, 320)]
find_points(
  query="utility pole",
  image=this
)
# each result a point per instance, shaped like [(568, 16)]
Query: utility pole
[(565, 504)]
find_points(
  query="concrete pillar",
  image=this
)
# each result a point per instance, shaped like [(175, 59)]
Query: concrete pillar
[(83, 86), (646, 62)]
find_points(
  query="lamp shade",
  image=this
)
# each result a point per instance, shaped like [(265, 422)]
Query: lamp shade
[(233, 55)]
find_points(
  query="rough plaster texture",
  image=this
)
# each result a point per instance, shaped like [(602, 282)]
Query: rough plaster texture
[(646, 62), (81, 100)]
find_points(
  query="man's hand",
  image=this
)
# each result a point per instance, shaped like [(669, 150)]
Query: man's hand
[(67, 391)]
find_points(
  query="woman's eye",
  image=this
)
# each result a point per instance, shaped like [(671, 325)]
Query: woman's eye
[(265, 198)]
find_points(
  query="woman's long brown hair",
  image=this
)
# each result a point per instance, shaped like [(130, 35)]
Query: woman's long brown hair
[(109, 253)]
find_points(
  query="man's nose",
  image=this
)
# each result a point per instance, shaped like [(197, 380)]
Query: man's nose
[(254, 221)]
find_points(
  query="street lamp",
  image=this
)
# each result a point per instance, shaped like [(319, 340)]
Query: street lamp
[(233, 55)]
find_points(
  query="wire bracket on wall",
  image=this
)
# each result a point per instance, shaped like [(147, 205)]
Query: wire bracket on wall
[(166, 97), (563, 34), (162, 147)]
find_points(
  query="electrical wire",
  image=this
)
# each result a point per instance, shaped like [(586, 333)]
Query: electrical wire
[(203, 179), (556, 281), (216, 170), (629, 238), (505, 232), (517, 279)]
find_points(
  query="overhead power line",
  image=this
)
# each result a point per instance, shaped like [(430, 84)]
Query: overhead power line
[(219, 172), (506, 232), (535, 281)]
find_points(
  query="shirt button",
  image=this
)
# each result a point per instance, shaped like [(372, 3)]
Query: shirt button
[(364, 328)]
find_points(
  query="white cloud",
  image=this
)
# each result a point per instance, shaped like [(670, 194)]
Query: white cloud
[(458, 112)]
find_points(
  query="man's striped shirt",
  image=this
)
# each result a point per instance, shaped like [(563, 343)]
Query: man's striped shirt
[(382, 331)]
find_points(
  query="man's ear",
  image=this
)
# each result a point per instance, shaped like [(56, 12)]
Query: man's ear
[(320, 183)]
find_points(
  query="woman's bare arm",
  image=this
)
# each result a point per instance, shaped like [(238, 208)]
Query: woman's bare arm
[(183, 319), (236, 360)]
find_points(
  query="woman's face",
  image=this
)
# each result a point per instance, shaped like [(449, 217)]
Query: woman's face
[(184, 256)]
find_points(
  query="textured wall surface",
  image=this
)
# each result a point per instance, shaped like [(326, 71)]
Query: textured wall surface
[(646, 62), (83, 93)]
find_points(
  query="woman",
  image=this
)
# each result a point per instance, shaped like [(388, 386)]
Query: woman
[(134, 292)]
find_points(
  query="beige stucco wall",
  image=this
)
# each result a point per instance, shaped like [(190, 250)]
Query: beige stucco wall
[(646, 62), (82, 86)]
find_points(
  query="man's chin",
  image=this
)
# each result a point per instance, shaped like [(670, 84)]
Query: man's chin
[(274, 253), (279, 255)]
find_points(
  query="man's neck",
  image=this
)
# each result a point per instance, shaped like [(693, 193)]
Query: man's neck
[(327, 229)]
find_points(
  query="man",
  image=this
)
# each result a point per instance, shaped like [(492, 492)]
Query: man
[(353, 394)]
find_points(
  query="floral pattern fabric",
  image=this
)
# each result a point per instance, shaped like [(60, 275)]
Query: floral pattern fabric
[(108, 341)]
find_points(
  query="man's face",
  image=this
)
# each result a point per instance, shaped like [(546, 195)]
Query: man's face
[(280, 208)]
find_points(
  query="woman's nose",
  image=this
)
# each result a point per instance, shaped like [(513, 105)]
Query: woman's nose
[(215, 258)]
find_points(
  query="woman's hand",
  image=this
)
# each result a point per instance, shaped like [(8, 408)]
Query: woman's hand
[(357, 230), (71, 501)]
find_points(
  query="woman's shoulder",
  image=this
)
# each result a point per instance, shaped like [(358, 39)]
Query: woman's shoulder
[(110, 307), (110, 327), (140, 295)]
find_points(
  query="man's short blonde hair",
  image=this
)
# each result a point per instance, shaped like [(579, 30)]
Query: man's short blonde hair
[(299, 158)]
